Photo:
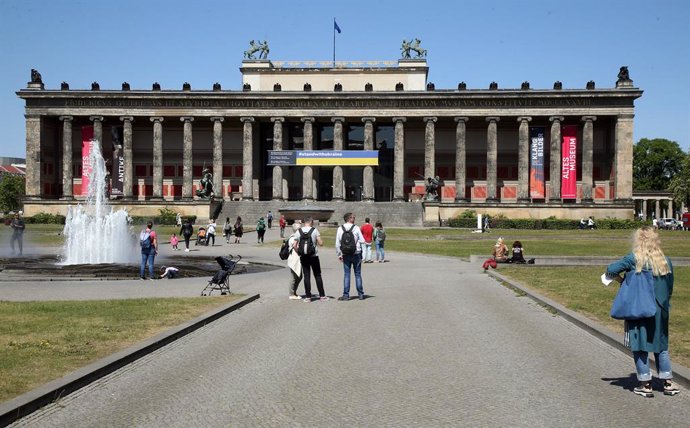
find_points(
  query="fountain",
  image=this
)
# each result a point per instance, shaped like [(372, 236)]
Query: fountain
[(94, 233)]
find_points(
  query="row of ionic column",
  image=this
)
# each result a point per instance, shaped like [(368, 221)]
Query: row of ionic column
[(157, 156)]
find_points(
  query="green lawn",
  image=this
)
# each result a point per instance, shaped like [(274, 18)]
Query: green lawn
[(579, 288), (42, 341)]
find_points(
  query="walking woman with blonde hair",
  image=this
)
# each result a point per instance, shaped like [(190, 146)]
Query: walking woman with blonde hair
[(649, 334)]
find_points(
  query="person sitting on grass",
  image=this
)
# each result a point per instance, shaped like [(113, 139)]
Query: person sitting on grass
[(499, 255), (518, 253)]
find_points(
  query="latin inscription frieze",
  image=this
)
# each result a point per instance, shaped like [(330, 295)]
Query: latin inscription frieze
[(343, 103)]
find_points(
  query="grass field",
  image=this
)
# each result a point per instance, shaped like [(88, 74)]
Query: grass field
[(42, 341), (579, 289)]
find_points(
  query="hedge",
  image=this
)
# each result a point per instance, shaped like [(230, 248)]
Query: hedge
[(547, 223)]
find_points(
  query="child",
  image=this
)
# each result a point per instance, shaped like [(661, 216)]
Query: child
[(169, 272), (379, 240), (174, 241)]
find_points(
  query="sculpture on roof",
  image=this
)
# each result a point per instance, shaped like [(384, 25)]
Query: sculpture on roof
[(36, 76), (623, 74), (412, 46), (254, 47)]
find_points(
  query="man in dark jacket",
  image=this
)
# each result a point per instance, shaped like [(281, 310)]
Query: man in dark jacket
[(18, 227)]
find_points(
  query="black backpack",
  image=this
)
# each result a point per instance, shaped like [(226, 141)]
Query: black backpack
[(284, 252), (348, 244), (306, 244)]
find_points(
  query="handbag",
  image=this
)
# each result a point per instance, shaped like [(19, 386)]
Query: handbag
[(635, 299)]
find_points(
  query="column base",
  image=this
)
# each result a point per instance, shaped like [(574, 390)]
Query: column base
[(399, 199), (337, 199), (67, 198), (368, 200), (492, 200), (587, 201), (156, 199), (128, 198), (524, 200), (462, 200)]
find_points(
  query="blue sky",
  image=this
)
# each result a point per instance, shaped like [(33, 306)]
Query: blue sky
[(473, 41)]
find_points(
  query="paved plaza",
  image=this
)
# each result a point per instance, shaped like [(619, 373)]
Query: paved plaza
[(437, 343)]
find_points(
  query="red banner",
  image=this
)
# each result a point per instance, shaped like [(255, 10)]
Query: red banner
[(569, 164), (86, 167)]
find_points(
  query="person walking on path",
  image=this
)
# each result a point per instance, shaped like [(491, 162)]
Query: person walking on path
[(238, 230), (18, 228), (211, 232), (282, 223), (174, 241), (186, 231), (368, 234), (227, 230), (260, 230), (380, 240), (649, 334), (269, 219), (309, 241), (178, 220), (149, 248), (348, 249), (294, 263)]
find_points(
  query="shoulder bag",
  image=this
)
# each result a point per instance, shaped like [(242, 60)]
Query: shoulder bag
[(635, 299)]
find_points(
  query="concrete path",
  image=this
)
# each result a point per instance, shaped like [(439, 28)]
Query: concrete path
[(438, 343)]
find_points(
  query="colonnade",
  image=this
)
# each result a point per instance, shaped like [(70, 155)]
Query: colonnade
[(622, 163)]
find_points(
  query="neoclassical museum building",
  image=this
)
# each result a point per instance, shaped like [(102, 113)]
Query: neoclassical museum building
[(521, 152)]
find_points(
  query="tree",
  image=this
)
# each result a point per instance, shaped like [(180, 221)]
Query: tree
[(11, 192), (655, 162), (680, 183)]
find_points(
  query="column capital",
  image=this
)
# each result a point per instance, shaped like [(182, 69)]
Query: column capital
[(96, 118), (157, 119), (186, 119), (368, 119), (217, 119), (32, 116), (492, 119), (556, 119), (127, 118), (399, 119), (278, 119), (337, 119), (524, 118), (428, 119), (626, 116), (307, 119), (245, 119), (66, 118), (589, 118), (462, 119)]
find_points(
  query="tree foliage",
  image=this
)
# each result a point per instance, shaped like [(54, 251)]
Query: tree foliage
[(11, 192), (680, 183), (655, 163)]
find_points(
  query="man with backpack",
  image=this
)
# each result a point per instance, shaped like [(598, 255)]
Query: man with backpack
[(308, 240), (148, 241), (260, 231), (348, 248)]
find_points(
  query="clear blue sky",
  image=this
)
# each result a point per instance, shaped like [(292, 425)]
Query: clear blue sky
[(477, 42)]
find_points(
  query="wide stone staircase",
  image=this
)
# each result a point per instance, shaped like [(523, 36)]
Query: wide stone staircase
[(390, 214)]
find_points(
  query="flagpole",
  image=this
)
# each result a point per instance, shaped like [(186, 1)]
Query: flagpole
[(333, 42)]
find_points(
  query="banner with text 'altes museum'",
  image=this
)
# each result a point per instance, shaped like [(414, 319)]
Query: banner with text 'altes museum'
[(536, 170), (86, 167), (569, 162)]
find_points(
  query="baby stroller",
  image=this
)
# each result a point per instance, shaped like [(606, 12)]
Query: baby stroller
[(201, 237), (221, 279)]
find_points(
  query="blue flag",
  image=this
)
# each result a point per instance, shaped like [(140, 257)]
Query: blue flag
[(335, 25)]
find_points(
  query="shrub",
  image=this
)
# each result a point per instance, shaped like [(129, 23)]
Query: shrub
[(551, 223), (45, 218), (166, 216), (468, 214)]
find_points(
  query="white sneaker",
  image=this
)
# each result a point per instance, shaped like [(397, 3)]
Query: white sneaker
[(293, 297), (186, 250)]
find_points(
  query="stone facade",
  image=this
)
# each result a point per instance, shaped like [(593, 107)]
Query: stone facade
[(475, 140)]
